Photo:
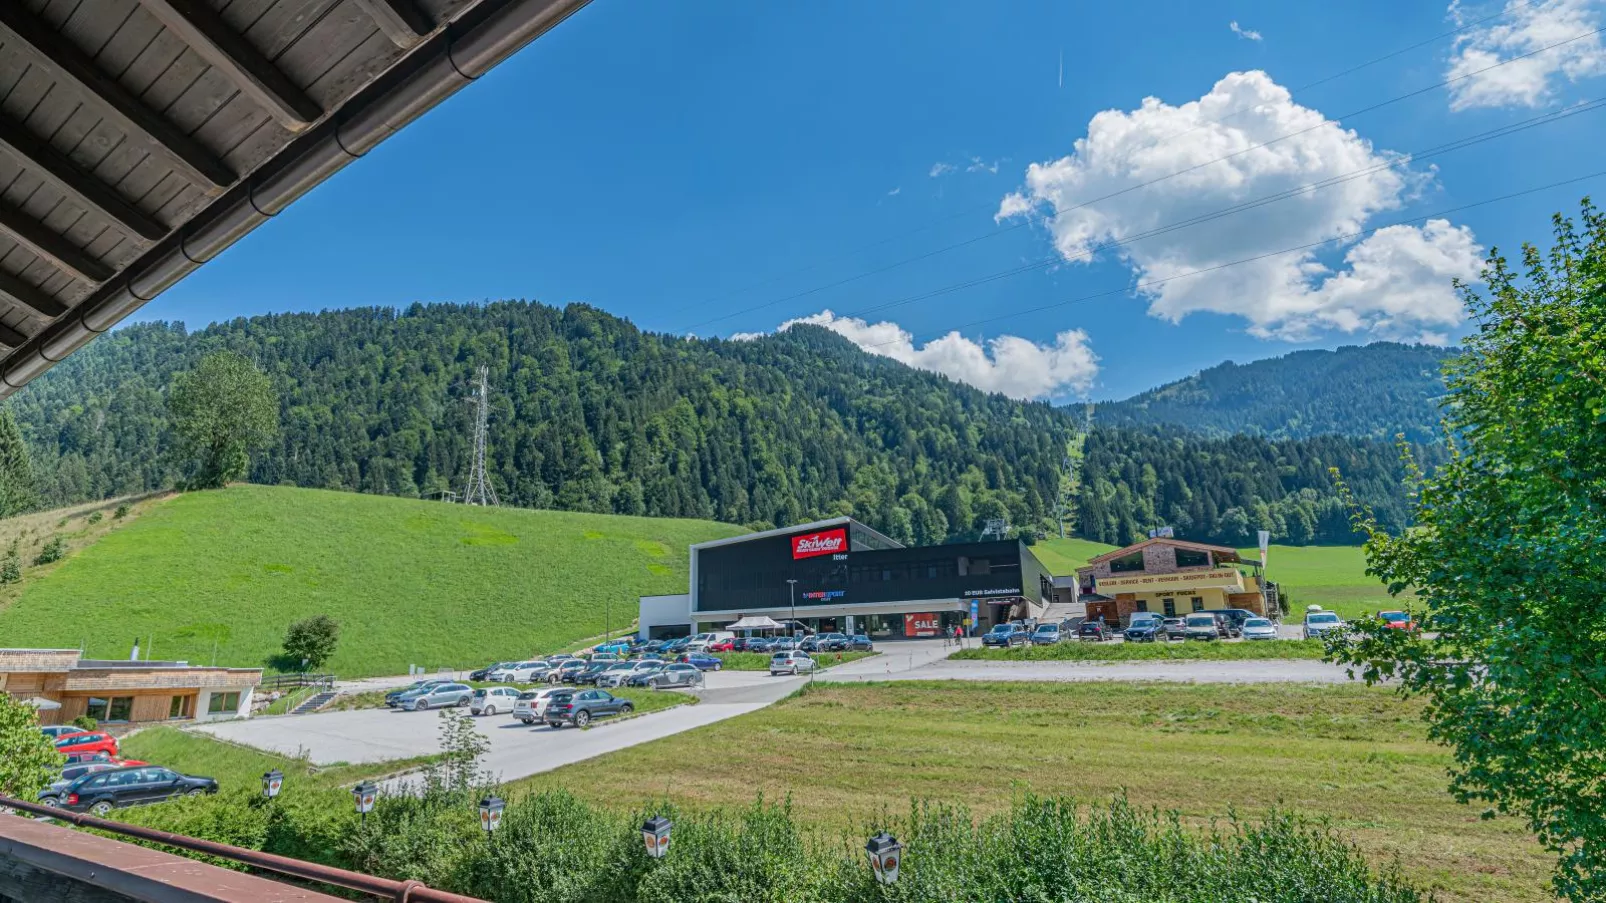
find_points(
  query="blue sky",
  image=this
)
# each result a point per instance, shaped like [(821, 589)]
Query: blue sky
[(709, 166)]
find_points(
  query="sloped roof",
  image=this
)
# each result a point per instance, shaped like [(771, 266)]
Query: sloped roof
[(1225, 552), (140, 138)]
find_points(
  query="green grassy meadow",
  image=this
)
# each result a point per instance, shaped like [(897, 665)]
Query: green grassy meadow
[(841, 754), (1063, 556), (217, 576)]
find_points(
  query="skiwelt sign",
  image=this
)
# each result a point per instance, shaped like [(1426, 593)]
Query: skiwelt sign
[(825, 542)]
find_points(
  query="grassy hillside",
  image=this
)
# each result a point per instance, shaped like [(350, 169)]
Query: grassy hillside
[(218, 576), (1333, 577)]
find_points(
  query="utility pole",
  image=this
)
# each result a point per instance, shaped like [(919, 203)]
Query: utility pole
[(479, 490), (791, 586)]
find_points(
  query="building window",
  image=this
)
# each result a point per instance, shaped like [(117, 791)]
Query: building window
[(117, 708), (223, 703), (1192, 558), (181, 707), (1127, 564), (1143, 605), (1170, 607), (1198, 603)]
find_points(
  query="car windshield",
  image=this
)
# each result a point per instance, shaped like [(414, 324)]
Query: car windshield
[(622, 666), (1325, 617), (1257, 622), (1395, 616), (1201, 620)]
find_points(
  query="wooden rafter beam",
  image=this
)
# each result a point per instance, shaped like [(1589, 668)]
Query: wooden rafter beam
[(83, 187), (10, 337), (200, 26), (15, 290), (49, 244), (400, 20), (77, 72)]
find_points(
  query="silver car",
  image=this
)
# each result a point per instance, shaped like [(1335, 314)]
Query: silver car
[(1320, 623), (616, 675), (1259, 629), (678, 674), (435, 696), (790, 663)]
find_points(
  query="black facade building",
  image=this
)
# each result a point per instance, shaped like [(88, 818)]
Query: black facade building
[(841, 575)]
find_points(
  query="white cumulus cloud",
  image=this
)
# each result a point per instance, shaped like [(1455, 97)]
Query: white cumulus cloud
[(1525, 27), (941, 169), (1394, 283), (1010, 365), (1247, 34)]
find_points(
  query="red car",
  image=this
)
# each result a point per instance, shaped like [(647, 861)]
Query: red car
[(722, 646), (87, 742), (1398, 620)]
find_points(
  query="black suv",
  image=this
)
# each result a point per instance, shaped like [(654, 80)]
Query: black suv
[(103, 791), (581, 707), (1145, 627)]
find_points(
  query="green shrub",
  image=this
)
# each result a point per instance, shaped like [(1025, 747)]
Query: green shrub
[(96, 517), (52, 552), (86, 723), (120, 513), (11, 566)]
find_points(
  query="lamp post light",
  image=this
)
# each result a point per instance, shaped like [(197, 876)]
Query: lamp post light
[(791, 586), (491, 813), (363, 795), (655, 832), (885, 852), (272, 783)]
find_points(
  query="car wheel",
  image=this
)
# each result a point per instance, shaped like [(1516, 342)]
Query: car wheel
[(717, 667), (196, 792), (490, 710), (582, 718), (102, 808), (527, 720), (462, 701), (53, 802), (626, 709)]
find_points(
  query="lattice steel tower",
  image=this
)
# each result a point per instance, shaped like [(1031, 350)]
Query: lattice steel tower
[(479, 490)]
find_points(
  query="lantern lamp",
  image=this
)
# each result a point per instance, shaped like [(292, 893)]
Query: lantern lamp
[(885, 854), (491, 813), (272, 783), (655, 831), (363, 795)]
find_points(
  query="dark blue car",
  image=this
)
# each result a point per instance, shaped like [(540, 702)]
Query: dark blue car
[(860, 643), (701, 662)]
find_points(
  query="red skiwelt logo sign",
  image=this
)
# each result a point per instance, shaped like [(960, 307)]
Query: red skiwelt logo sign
[(825, 542)]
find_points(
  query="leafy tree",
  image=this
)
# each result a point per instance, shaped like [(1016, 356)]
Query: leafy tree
[(28, 760), (222, 410), (1508, 560), (11, 567), (16, 475), (311, 641)]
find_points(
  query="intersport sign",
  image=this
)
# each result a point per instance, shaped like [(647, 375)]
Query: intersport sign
[(825, 542)]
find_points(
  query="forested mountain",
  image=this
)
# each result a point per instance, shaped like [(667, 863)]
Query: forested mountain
[(589, 413), (1374, 391), (1225, 490)]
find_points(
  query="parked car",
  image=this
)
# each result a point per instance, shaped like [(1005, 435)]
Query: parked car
[(1203, 625), (1094, 631), (581, 707), (521, 673), (676, 674), (1398, 620), (82, 742), (54, 731), (1321, 623), (434, 696), (1004, 635), (783, 644), (790, 663), (833, 642), (1145, 627), (1234, 618), (1259, 629), (102, 791), (640, 676), (615, 675), (701, 661), (52, 795), (860, 643), (758, 644), (558, 658), (567, 671), (1046, 635), (588, 675), (393, 695), (531, 705), (492, 700), (614, 647), (725, 645), (1176, 628), (675, 647), (485, 672)]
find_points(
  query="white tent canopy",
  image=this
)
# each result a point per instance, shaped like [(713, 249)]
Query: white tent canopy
[(755, 623), (42, 704)]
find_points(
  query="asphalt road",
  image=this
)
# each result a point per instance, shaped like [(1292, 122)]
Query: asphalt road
[(517, 750)]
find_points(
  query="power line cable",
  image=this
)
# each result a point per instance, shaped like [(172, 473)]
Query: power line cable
[(1307, 188), (1507, 10), (1297, 248), (1158, 179)]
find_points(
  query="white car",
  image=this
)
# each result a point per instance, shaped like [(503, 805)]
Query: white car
[(1259, 629), (616, 674), (790, 663), (531, 704), (520, 673), (1320, 623), (491, 700)]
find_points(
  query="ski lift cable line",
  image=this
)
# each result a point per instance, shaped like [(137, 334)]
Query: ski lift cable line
[(1222, 266), (967, 211), (993, 233), (1424, 154)]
